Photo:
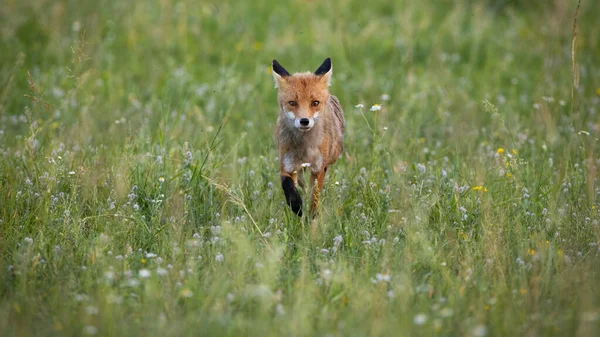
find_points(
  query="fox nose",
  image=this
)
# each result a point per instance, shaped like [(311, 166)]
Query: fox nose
[(304, 121)]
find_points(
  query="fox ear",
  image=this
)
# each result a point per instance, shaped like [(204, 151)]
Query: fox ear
[(279, 73), (325, 71)]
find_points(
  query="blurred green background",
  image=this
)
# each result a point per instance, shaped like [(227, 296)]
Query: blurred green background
[(139, 188)]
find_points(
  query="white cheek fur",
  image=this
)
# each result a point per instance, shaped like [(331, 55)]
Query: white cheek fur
[(290, 115)]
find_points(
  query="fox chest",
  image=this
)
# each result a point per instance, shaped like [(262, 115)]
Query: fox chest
[(310, 158)]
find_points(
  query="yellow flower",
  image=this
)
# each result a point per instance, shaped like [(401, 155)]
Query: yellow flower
[(186, 293), (508, 175), (506, 164), (523, 291), (500, 150), (463, 235), (531, 251), (143, 260), (480, 188), (487, 307), (598, 91), (161, 179), (514, 151), (256, 45)]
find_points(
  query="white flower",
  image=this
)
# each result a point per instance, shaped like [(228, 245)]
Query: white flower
[(359, 106), (92, 310), (133, 282), (306, 165), (109, 275), (279, 309), (420, 319), (219, 257), (90, 330), (161, 271), (480, 330), (28, 240), (375, 107), (385, 97), (421, 168), (150, 255), (383, 277), (144, 273)]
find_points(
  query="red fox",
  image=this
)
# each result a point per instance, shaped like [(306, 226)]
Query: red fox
[(310, 130)]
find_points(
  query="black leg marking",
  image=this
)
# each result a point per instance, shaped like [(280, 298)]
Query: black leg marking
[(291, 195)]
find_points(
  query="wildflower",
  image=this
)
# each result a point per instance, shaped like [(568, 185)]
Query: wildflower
[(279, 309), (421, 168), (375, 107), (359, 106), (133, 282), (144, 273), (161, 271), (161, 179), (480, 188), (420, 319), (480, 330), (500, 150), (523, 291), (531, 251), (90, 330), (219, 257), (598, 91), (143, 260), (305, 165), (386, 97), (28, 240), (514, 151), (92, 310), (186, 293), (383, 277), (337, 241)]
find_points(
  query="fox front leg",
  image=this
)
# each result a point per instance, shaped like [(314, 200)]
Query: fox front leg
[(292, 197), (316, 183)]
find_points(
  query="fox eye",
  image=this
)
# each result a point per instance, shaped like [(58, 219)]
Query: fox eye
[(315, 103), (292, 103)]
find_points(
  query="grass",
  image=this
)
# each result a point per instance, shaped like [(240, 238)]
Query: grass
[(139, 184)]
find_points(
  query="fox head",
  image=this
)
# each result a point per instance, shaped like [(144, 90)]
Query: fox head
[(302, 96)]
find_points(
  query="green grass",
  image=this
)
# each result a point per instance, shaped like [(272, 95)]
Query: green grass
[(139, 181)]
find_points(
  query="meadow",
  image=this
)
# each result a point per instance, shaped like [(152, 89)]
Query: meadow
[(139, 178)]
